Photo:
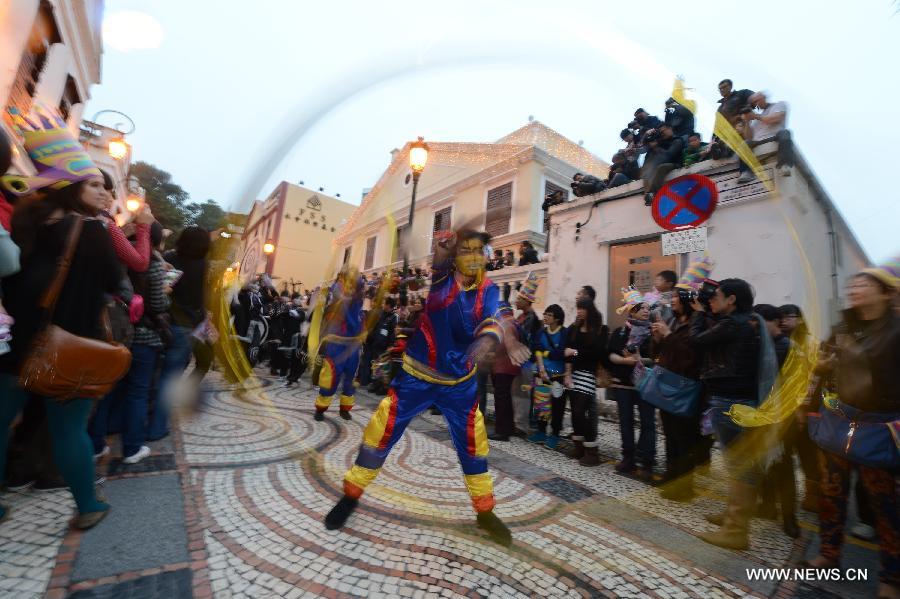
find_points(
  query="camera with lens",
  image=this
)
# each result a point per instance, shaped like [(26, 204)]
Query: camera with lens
[(553, 198), (705, 293), (632, 349)]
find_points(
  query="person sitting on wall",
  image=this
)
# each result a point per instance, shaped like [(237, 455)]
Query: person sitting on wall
[(679, 118), (696, 150), (624, 168), (527, 254), (767, 125), (585, 185), (664, 154)]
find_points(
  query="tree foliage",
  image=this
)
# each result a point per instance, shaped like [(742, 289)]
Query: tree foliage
[(171, 204)]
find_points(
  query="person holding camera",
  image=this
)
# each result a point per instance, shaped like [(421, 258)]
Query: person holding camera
[(672, 351), (679, 118), (624, 168), (644, 123), (665, 153), (627, 345), (721, 330), (585, 185)]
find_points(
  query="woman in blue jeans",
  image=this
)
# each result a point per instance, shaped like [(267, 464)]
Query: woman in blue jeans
[(134, 390), (187, 312), (730, 373)]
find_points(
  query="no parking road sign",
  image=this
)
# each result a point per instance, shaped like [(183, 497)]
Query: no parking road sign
[(685, 202)]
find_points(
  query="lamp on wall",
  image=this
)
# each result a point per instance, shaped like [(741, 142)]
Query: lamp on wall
[(418, 157), (268, 248)]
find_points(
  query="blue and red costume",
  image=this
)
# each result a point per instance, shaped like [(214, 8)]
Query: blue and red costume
[(437, 371), (341, 340)]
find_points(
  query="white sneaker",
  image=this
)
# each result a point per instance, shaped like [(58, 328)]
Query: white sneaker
[(784, 171), (103, 453), (863, 531), (137, 456)]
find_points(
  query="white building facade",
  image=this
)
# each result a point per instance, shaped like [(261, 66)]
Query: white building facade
[(50, 53), (497, 187), (748, 236)]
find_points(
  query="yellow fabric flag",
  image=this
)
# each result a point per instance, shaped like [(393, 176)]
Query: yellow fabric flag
[(679, 96)]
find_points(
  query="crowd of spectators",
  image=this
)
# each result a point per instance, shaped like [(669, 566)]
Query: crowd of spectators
[(654, 147)]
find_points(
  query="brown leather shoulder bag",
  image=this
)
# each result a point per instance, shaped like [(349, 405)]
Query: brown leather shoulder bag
[(62, 365)]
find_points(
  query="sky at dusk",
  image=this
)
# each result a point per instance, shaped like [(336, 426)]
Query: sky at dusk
[(238, 96)]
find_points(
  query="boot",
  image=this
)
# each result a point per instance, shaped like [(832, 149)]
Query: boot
[(679, 488), (577, 451), (495, 527), (733, 533), (811, 496), (338, 515), (716, 519), (590, 457)]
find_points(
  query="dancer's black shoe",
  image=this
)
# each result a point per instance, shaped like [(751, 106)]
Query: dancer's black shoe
[(345, 414), (319, 416), (338, 515), (495, 527)]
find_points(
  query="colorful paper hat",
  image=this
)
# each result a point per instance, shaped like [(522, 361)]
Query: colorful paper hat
[(888, 273), (57, 156), (652, 297), (630, 297), (696, 273), (529, 287)]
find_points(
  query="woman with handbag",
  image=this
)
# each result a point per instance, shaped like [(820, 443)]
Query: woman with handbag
[(68, 264), (585, 344), (673, 352), (865, 361), (133, 391), (627, 345)]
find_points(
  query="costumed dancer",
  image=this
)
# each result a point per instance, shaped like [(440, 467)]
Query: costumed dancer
[(462, 322), (340, 345)]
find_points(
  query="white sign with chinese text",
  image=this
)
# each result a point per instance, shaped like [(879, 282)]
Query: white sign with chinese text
[(682, 242)]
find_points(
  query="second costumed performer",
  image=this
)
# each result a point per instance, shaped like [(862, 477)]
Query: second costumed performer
[(464, 319)]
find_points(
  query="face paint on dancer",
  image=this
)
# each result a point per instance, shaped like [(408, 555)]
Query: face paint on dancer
[(470, 257)]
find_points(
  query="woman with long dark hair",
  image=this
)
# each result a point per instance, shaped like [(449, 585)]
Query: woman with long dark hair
[(187, 311), (587, 338), (683, 440), (40, 227)]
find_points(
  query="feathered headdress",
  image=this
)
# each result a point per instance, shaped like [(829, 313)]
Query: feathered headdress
[(57, 156)]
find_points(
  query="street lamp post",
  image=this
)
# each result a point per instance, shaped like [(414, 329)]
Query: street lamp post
[(268, 250), (418, 156)]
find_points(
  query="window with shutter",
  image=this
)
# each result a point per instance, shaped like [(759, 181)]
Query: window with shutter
[(398, 246), (69, 99), (499, 210), (370, 252), (44, 34), (441, 223), (346, 255)]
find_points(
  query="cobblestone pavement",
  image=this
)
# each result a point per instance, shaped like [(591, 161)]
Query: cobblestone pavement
[(256, 475)]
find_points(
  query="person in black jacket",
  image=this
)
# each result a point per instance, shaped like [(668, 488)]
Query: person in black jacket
[(730, 347), (732, 102), (680, 119), (188, 310), (624, 168), (778, 482), (378, 341), (585, 343), (527, 254), (673, 352), (645, 123), (665, 153)]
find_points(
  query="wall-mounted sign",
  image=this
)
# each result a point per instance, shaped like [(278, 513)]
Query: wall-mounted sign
[(685, 202), (682, 242)]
